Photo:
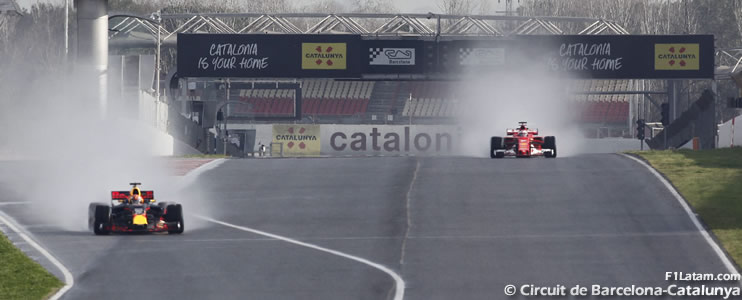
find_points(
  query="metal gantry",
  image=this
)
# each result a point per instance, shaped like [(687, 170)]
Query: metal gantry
[(604, 26), (422, 25), (533, 26), (728, 61)]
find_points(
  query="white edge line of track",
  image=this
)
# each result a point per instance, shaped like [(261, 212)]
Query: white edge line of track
[(399, 284), (69, 280), (191, 176), (719, 252)]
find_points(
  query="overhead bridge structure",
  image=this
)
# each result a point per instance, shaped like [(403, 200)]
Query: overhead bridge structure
[(420, 47), (381, 25)]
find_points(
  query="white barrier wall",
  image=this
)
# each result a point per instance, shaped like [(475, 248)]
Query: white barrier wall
[(152, 123), (388, 139), (725, 134), (336, 139)]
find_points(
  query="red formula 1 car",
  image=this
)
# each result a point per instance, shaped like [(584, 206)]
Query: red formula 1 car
[(135, 211), (523, 142)]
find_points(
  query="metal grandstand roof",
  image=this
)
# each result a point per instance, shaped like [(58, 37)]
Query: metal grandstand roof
[(9, 7)]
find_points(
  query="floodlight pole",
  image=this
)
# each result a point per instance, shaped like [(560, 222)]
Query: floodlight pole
[(409, 105), (92, 48), (224, 116), (66, 30), (157, 67)]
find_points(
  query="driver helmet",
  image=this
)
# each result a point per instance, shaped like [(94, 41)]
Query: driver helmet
[(136, 198)]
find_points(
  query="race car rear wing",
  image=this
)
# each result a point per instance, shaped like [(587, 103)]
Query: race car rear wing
[(515, 131), (124, 195)]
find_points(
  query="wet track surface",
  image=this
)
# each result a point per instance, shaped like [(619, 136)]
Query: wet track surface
[(453, 228)]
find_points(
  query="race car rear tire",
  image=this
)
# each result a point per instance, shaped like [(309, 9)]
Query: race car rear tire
[(98, 217), (550, 143), (496, 143), (174, 218)]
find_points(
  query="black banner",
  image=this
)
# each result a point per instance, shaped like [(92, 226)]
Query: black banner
[(347, 56), (263, 55), (594, 56)]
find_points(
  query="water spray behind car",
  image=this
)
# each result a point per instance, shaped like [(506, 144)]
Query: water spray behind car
[(493, 102), (68, 155)]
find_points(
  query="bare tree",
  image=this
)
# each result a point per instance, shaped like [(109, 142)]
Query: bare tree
[(456, 7), (323, 6), (372, 6), (485, 7)]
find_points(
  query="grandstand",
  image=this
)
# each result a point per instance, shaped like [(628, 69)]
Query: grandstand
[(418, 101), (319, 98), (612, 109)]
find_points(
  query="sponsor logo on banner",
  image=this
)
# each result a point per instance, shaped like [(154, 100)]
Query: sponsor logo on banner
[(391, 56), (323, 56), (297, 140), (388, 139), (676, 56), (482, 56)]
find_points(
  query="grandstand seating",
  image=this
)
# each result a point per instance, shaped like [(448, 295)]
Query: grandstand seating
[(433, 99), (430, 107), (429, 99), (319, 97), (603, 108), (265, 102), (430, 89), (604, 112)]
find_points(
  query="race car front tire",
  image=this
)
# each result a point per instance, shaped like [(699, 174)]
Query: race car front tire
[(550, 143), (496, 143), (99, 215), (174, 218)]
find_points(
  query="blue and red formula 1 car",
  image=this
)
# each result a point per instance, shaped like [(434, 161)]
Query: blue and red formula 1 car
[(523, 142), (135, 211)]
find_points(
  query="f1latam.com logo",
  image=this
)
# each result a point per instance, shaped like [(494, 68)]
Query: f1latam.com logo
[(676, 56)]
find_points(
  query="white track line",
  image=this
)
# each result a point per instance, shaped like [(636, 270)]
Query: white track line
[(191, 176), (719, 252), (14, 203), (399, 284), (69, 281), (407, 211)]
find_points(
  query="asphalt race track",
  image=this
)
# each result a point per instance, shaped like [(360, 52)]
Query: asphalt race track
[(452, 228)]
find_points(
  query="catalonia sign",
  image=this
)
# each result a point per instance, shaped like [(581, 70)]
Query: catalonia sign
[(298, 140), (269, 55), (323, 56), (676, 56)]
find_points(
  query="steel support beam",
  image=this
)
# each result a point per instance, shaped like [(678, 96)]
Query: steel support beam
[(92, 48)]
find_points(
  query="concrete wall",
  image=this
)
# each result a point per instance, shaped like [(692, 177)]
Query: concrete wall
[(153, 121), (388, 139), (336, 139), (428, 140)]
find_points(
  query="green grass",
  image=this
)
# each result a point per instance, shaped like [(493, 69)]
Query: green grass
[(711, 181), (21, 277)]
